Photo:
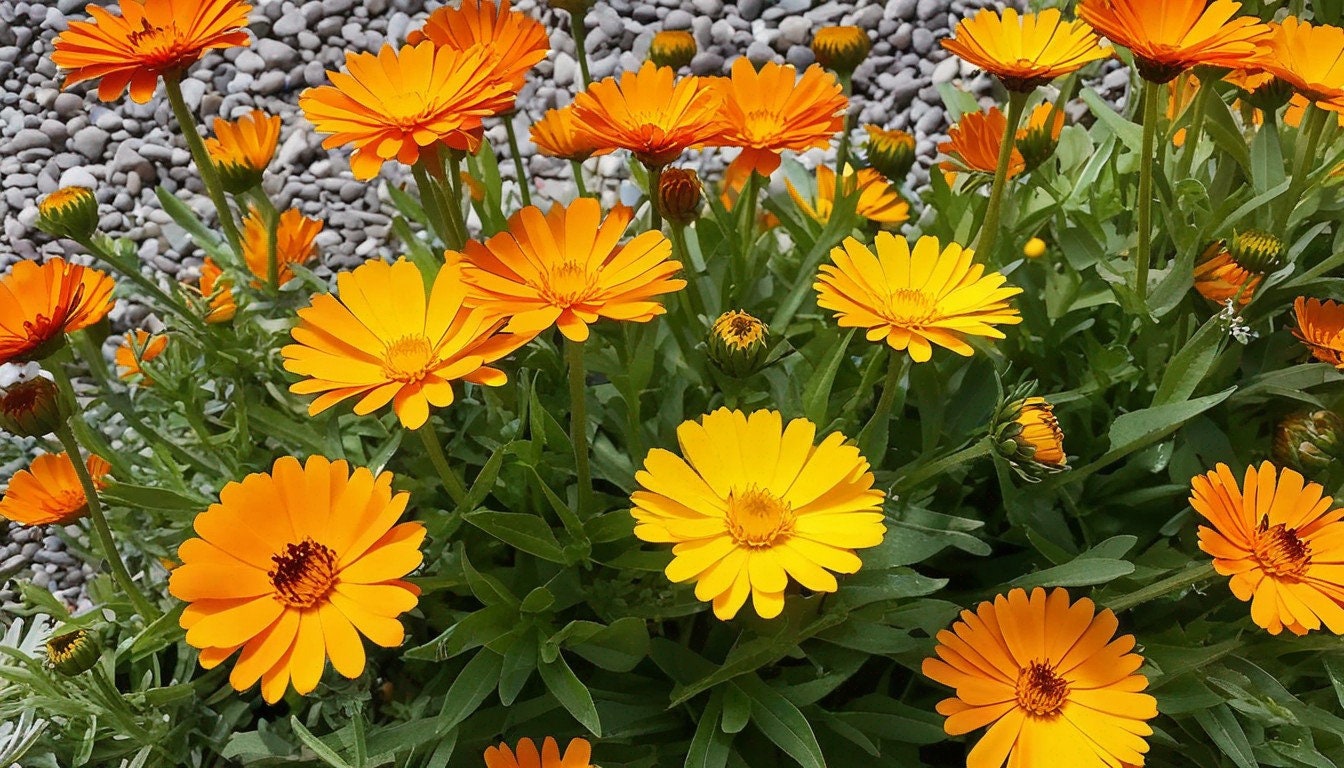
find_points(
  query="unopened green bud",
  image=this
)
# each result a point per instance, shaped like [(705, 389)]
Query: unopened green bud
[(69, 212), (74, 652), (672, 48), (1309, 440), (32, 408), (739, 344), (890, 152)]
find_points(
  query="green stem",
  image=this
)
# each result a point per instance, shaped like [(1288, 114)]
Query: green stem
[(696, 303), (453, 197), (447, 476), (100, 527), (965, 455), (577, 168), (655, 210), (272, 217), (578, 422), (896, 365), (1147, 167), (1192, 574), (132, 273), (578, 28), (740, 268), (431, 197), (1195, 128), (204, 165), (989, 228), (517, 160), (1314, 121), (842, 151)]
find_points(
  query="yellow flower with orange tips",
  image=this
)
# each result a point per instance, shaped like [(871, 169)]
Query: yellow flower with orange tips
[(139, 346), (294, 236), (291, 567), (650, 113), (39, 304), (578, 754), (1278, 538), (241, 149), (48, 492), (558, 134), (1297, 109), (150, 39), (400, 104), (1050, 678), (752, 503), (973, 144), (1234, 268), (218, 293), (878, 198), (1307, 57), (1025, 50), (841, 48), (1320, 326), (69, 212), (566, 268), (514, 42), (914, 298), (388, 339), (772, 110), (1168, 37)]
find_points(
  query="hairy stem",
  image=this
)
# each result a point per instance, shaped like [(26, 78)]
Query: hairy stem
[(172, 84), (578, 422), (989, 227), (1147, 167)]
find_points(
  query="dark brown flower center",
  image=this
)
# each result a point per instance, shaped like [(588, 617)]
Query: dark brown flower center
[(1040, 690), (1280, 552), (304, 573)]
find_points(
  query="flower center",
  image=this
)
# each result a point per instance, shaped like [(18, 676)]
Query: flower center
[(1280, 552), (763, 126), (758, 518), (162, 45), (408, 359), (568, 283), (70, 500), (303, 574), (407, 109), (909, 307), (1040, 690)]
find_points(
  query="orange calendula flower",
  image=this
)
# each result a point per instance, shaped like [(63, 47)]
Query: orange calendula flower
[(565, 268), (140, 346), (514, 42), (39, 304), (973, 144), (650, 113), (772, 110), (48, 492), (1307, 57), (292, 567), (388, 339), (241, 149), (1036, 141), (878, 198), (842, 49), (557, 134), (752, 502), (1278, 537), (150, 38), (915, 298), (293, 243), (1320, 325), (578, 754), (1025, 50), (1167, 37), (402, 103), (218, 292), (1049, 677), (1234, 268)]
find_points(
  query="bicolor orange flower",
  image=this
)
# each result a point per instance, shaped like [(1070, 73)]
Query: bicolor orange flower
[(578, 754), (291, 567), (514, 42), (558, 134), (1234, 268), (1167, 37), (1320, 326), (1050, 679), (388, 339), (1307, 57), (1025, 50), (404, 103), (241, 149), (752, 502), (1282, 542), (294, 236), (48, 492), (565, 268), (973, 144), (770, 111), (650, 113), (138, 347), (878, 198), (915, 298), (39, 304), (218, 292), (150, 39)]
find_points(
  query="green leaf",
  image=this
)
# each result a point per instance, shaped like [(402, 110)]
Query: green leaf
[(561, 681), (473, 684), (528, 533), (137, 496), (324, 753), (817, 394), (1137, 429), (1131, 134), (710, 744), (1222, 727), (617, 648), (736, 710), (782, 722), (1098, 565), (485, 481), (181, 213), (1188, 367), (478, 628)]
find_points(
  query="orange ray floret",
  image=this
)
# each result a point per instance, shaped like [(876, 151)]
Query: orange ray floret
[(1167, 37), (1025, 50), (578, 754), (218, 292), (514, 42), (566, 268), (973, 144), (558, 134), (292, 567), (772, 110), (241, 149), (650, 113), (1310, 58), (404, 103), (39, 304), (140, 346), (293, 243), (150, 38), (879, 200), (1320, 326), (48, 492), (1281, 540)]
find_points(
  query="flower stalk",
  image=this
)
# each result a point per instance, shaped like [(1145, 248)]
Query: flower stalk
[(1192, 574), (173, 85), (1312, 127), (1148, 162), (523, 191), (578, 423), (451, 482), (989, 228), (272, 218), (966, 455), (897, 363)]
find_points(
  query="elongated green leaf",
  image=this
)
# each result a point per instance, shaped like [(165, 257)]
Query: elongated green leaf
[(473, 684), (817, 395), (571, 693), (782, 723), (710, 744), (527, 532), (324, 753), (1226, 732), (181, 213), (1191, 364), (1132, 431)]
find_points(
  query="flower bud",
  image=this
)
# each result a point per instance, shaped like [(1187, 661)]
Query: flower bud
[(679, 196), (890, 152), (739, 344), (1261, 89), (1235, 268), (841, 49), (672, 48), (69, 212), (32, 408), (1027, 434), (1309, 440), (241, 149), (74, 652), (1034, 249), (1037, 141)]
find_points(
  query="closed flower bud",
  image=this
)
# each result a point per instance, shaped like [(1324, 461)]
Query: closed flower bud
[(32, 408), (1266, 94), (672, 48), (1034, 249), (1235, 268), (72, 653), (739, 344), (69, 212), (241, 149), (1037, 141), (679, 195), (842, 49), (1309, 440), (890, 152), (1027, 434)]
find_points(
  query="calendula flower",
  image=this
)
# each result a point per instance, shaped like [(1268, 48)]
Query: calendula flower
[(842, 49), (39, 304), (1036, 141), (139, 346), (973, 144), (1181, 93), (404, 103), (1025, 50), (565, 268), (1306, 56), (578, 754), (915, 298), (1320, 326), (1027, 434), (672, 48), (1167, 37), (1234, 269), (48, 491), (738, 344), (1297, 109), (514, 42), (1261, 89), (294, 237), (769, 111), (751, 502), (292, 567), (890, 152), (150, 39), (218, 292), (388, 339), (69, 212), (558, 134), (241, 149), (1049, 677), (878, 198), (649, 114), (679, 195), (1309, 440), (1277, 537), (32, 407), (73, 653)]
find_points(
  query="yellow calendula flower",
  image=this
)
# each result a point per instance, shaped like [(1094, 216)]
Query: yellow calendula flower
[(73, 653), (139, 346), (1025, 50), (650, 113), (218, 293), (672, 48), (878, 201), (1036, 141), (558, 134), (241, 149), (738, 344), (1306, 56), (769, 111), (1168, 37), (1027, 434), (1034, 249)]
